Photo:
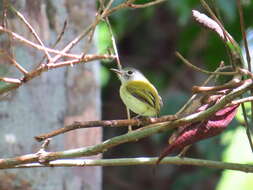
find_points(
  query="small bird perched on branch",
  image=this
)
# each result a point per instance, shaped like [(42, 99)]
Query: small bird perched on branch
[(137, 93)]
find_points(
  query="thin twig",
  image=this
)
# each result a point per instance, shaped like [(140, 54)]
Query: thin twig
[(83, 34), (105, 123), (239, 6), (242, 100), (107, 11), (86, 58), (16, 64), (112, 39), (39, 47), (202, 70), (113, 43), (59, 37), (45, 67), (22, 18), (75, 41), (189, 102), (247, 126), (245, 72), (89, 41), (232, 45), (205, 89), (138, 6), (10, 80)]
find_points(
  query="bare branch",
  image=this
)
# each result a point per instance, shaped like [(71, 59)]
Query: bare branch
[(185, 61), (142, 161), (106, 123), (242, 100), (153, 128), (59, 37), (84, 59), (16, 64), (138, 6), (113, 43), (10, 80), (39, 47), (45, 67), (239, 6), (247, 126), (205, 89), (194, 96), (131, 136), (22, 18)]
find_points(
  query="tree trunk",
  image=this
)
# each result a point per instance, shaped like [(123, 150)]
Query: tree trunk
[(50, 101)]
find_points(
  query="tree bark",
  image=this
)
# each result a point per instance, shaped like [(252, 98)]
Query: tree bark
[(48, 102)]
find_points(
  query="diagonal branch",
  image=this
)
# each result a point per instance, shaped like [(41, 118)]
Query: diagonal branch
[(39, 47), (185, 61), (16, 64), (22, 18)]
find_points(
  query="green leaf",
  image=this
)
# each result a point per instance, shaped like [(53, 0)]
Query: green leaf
[(238, 151), (239, 115), (103, 37)]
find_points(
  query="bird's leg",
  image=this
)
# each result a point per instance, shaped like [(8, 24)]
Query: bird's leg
[(183, 152), (129, 117)]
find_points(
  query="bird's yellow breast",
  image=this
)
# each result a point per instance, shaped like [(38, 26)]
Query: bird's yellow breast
[(140, 97)]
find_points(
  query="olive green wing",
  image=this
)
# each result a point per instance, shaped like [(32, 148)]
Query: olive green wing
[(145, 93)]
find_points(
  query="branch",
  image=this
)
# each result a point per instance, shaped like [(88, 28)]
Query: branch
[(106, 12), (131, 136), (86, 58), (22, 18), (152, 129), (242, 100), (59, 54), (10, 80), (106, 123), (205, 89), (45, 67), (15, 63), (142, 161), (138, 6), (185, 61), (39, 47)]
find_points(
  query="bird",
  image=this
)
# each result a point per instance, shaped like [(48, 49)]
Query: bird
[(137, 93)]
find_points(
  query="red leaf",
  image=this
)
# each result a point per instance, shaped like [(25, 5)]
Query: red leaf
[(201, 130)]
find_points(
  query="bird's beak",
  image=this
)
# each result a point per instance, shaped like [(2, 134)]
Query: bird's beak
[(117, 71)]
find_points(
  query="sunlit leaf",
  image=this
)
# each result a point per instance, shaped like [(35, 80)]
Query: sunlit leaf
[(103, 38), (238, 151)]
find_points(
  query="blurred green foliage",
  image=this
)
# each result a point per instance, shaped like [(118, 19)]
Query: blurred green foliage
[(238, 151), (239, 115), (103, 37)]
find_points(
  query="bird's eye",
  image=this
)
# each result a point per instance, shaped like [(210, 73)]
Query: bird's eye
[(129, 72)]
